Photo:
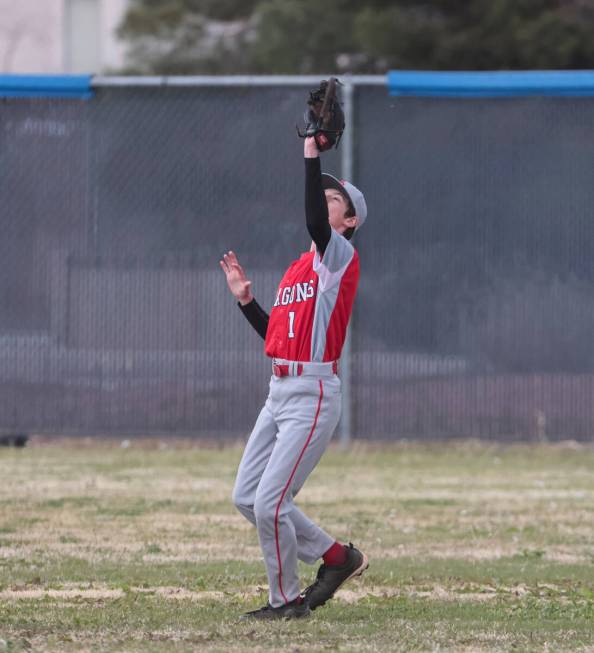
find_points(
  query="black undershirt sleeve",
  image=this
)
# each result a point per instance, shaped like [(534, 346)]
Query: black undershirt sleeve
[(316, 208), (256, 316)]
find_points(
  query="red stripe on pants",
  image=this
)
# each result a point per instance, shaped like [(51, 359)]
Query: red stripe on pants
[(280, 565)]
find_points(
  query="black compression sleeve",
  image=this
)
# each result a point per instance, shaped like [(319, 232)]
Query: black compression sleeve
[(256, 316), (316, 208)]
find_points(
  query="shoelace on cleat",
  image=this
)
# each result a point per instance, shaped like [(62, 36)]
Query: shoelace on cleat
[(319, 577)]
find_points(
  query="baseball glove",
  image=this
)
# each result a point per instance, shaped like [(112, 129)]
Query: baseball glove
[(324, 118)]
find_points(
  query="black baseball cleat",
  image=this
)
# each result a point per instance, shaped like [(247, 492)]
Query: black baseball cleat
[(331, 577), (296, 609)]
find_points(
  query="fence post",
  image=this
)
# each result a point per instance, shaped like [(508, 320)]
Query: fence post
[(346, 171)]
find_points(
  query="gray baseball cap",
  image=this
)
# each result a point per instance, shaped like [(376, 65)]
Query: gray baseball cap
[(350, 192)]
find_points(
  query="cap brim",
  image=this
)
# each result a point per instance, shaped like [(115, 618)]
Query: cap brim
[(330, 182)]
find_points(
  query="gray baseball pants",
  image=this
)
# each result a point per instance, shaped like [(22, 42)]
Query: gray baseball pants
[(288, 439)]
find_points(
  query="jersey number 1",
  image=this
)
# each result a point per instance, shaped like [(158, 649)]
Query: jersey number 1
[(291, 324)]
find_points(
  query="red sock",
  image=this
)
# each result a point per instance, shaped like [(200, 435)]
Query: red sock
[(336, 555)]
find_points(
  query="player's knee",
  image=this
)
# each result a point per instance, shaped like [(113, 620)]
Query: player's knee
[(243, 504), (264, 510)]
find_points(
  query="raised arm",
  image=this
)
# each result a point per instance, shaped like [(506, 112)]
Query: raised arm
[(316, 207), (240, 287)]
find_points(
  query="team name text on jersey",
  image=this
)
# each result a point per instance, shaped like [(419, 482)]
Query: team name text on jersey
[(300, 292)]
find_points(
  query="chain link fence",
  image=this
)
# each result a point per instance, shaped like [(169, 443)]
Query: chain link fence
[(475, 314)]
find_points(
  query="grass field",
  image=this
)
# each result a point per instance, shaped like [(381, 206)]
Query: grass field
[(472, 548)]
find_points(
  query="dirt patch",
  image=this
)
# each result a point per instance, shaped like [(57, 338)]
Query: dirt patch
[(436, 594), (180, 552), (181, 594), (106, 593), (102, 488), (351, 595), (178, 521), (475, 553), (90, 594)]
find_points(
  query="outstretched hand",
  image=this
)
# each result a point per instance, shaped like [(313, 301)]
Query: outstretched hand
[(238, 283)]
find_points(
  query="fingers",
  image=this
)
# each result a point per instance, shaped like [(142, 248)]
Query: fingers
[(228, 262), (230, 258), (233, 258)]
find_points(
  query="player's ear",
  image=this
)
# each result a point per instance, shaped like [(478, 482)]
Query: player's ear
[(351, 221)]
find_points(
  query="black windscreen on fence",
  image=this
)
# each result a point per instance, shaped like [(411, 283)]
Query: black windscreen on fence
[(475, 313)]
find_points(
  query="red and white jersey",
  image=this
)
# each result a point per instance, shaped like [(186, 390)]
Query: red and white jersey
[(313, 304)]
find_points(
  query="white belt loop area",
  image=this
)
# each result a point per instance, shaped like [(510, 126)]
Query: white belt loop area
[(282, 367)]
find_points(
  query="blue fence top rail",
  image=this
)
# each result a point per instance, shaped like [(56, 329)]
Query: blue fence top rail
[(64, 86), (568, 83)]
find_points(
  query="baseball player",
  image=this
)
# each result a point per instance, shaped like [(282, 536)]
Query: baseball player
[(304, 335)]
